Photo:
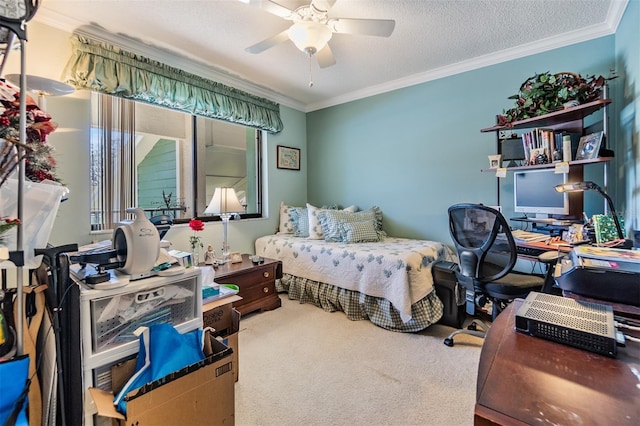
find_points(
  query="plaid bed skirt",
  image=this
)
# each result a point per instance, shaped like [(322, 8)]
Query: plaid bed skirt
[(359, 306)]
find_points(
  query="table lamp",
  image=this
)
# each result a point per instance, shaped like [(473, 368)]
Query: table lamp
[(224, 203), (588, 185)]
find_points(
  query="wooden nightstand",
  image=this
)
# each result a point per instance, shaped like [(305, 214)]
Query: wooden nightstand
[(257, 283)]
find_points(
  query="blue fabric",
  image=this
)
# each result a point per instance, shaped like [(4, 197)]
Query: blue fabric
[(163, 350), (13, 379)]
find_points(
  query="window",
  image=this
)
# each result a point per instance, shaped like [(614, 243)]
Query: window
[(167, 162)]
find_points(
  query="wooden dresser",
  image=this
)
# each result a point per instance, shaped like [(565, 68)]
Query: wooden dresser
[(257, 283)]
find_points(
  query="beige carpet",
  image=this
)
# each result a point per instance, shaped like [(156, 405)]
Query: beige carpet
[(300, 365)]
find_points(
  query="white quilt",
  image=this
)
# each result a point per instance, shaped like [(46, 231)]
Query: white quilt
[(397, 269)]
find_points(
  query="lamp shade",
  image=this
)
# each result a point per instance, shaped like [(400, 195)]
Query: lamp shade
[(224, 200), (309, 36), (42, 85)]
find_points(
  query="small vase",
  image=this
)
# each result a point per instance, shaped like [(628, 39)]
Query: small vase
[(195, 255)]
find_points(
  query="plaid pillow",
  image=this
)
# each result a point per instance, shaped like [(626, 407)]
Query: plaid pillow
[(315, 229), (331, 221), (360, 232)]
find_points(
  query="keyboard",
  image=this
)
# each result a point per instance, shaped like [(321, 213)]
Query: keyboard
[(529, 251), (528, 236)]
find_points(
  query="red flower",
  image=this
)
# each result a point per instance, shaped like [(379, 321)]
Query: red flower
[(196, 225)]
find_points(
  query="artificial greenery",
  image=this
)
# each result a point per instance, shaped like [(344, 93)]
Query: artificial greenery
[(544, 93)]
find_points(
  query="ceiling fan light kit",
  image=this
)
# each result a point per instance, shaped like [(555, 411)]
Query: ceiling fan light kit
[(312, 28), (309, 36)]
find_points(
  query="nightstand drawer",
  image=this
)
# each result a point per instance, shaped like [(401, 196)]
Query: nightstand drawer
[(255, 281), (255, 292), (252, 277)]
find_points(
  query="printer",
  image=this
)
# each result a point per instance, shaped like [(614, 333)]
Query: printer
[(608, 274)]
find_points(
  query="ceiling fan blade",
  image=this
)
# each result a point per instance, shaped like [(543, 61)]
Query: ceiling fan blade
[(271, 7), (373, 27), (323, 5), (325, 57), (268, 43)]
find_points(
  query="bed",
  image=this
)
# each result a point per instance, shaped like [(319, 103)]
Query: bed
[(388, 282)]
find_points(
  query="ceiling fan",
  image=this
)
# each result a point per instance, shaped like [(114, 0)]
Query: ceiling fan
[(312, 28)]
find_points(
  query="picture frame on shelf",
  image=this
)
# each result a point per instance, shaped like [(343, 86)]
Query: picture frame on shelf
[(288, 157), (494, 161), (589, 146)]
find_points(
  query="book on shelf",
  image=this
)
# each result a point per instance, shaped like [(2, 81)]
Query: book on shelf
[(538, 143)]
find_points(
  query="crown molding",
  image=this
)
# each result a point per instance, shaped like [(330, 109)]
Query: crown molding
[(210, 71), (616, 11)]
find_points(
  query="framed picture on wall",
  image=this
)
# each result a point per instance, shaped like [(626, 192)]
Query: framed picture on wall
[(288, 158)]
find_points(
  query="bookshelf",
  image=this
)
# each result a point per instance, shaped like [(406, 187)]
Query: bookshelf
[(570, 120), (562, 118)]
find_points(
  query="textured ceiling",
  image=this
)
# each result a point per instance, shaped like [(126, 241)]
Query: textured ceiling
[(432, 38)]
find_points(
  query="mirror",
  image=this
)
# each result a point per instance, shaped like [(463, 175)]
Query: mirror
[(173, 175)]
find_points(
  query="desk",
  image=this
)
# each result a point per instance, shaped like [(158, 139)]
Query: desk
[(528, 380), (541, 246)]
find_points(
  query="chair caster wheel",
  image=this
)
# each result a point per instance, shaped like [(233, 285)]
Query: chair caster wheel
[(448, 342), (472, 326)]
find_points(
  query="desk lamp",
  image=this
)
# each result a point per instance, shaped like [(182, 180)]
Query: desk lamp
[(588, 185), (224, 203)]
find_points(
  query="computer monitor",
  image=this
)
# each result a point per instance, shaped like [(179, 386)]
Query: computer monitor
[(534, 192)]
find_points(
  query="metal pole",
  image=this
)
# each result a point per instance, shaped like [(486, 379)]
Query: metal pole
[(605, 131), (21, 174)]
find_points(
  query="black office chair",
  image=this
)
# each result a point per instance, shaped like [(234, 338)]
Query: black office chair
[(486, 257)]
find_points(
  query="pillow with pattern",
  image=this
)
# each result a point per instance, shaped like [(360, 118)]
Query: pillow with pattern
[(360, 232), (300, 221), (331, 221), (286, 221), (315, 229)]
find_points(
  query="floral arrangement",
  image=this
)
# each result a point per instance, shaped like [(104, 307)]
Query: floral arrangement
[(39, 162), (544, 93), (196, 225), (6, 223)]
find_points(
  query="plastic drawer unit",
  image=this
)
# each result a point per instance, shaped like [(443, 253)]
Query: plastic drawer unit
[(110, 316)]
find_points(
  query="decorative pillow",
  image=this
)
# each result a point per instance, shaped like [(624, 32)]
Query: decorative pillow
[(331, 221), (286, 221), (300, 218), (315, 229), (360, 232)]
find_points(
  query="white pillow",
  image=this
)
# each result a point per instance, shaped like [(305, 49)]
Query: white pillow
[(286, 221), (315, 230)]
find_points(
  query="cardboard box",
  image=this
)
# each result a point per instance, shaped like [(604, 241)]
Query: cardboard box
[(231, 339), (201, 394), (218, 314)]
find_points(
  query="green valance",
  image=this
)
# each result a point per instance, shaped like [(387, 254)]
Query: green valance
[(108, 69)]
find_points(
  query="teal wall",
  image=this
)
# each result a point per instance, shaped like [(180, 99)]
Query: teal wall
[(625, 178), (413, 151), (418, 150)]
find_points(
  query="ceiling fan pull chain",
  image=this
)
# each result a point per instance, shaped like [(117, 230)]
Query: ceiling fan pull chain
[(310, 73)]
